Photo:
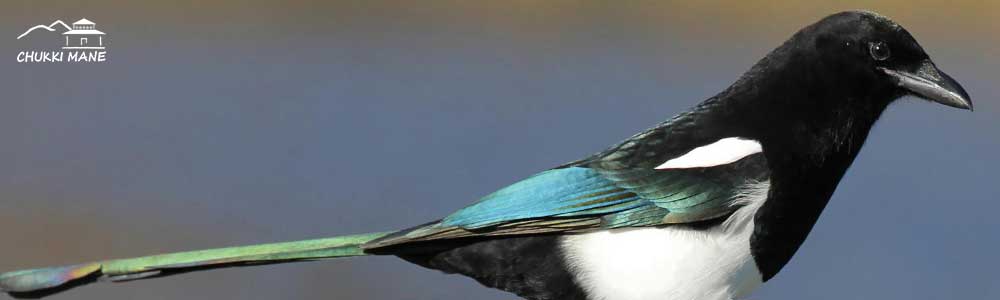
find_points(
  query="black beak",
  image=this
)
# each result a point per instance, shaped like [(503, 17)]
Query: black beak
[(930, 83)]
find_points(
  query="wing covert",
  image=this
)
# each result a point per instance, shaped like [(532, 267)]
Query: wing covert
[(586, 198)]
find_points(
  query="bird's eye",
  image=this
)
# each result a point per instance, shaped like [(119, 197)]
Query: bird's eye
[(879, 50)]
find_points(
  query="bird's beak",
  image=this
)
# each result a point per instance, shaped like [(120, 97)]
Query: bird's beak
[(929, 82)]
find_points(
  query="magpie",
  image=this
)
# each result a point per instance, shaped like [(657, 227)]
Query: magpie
[(706, 205)]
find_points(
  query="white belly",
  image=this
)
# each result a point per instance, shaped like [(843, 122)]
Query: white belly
[(667, 263)]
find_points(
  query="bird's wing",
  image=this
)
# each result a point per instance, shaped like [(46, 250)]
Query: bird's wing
[(627, 186)]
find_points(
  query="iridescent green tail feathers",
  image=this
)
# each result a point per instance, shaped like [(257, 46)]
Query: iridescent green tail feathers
[(45, 281)]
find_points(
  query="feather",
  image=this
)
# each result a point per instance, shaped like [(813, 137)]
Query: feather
[(55, 279), (724, 151), (582, 199)]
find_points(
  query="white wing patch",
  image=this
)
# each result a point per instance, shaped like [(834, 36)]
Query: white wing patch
[(724, 151)]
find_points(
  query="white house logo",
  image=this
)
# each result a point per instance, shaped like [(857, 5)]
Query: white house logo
[(80, 43)]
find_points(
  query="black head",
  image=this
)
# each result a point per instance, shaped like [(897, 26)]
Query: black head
[(867, 56), (820, 92)]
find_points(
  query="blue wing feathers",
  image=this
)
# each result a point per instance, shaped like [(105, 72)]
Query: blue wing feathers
[(598, 193), (632, 197), (551, 193)]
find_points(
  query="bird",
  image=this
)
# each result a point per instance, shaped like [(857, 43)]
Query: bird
[(709, 204)]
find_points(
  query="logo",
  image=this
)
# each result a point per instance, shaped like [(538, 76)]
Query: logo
[(81, 43)]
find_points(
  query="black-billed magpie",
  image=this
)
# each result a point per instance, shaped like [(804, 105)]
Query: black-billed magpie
[(706, 205)]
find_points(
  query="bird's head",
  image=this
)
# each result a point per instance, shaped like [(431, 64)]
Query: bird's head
[(818, 94), (869, 54)]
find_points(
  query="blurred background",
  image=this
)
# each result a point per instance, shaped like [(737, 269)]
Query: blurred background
[(239, 122)]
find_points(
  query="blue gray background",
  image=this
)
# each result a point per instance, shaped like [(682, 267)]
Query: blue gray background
[(240, 122)]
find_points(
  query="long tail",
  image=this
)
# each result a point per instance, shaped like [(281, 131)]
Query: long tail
[(36, 283)]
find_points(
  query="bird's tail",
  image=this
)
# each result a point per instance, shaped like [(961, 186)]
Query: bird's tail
[(45, 281)]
